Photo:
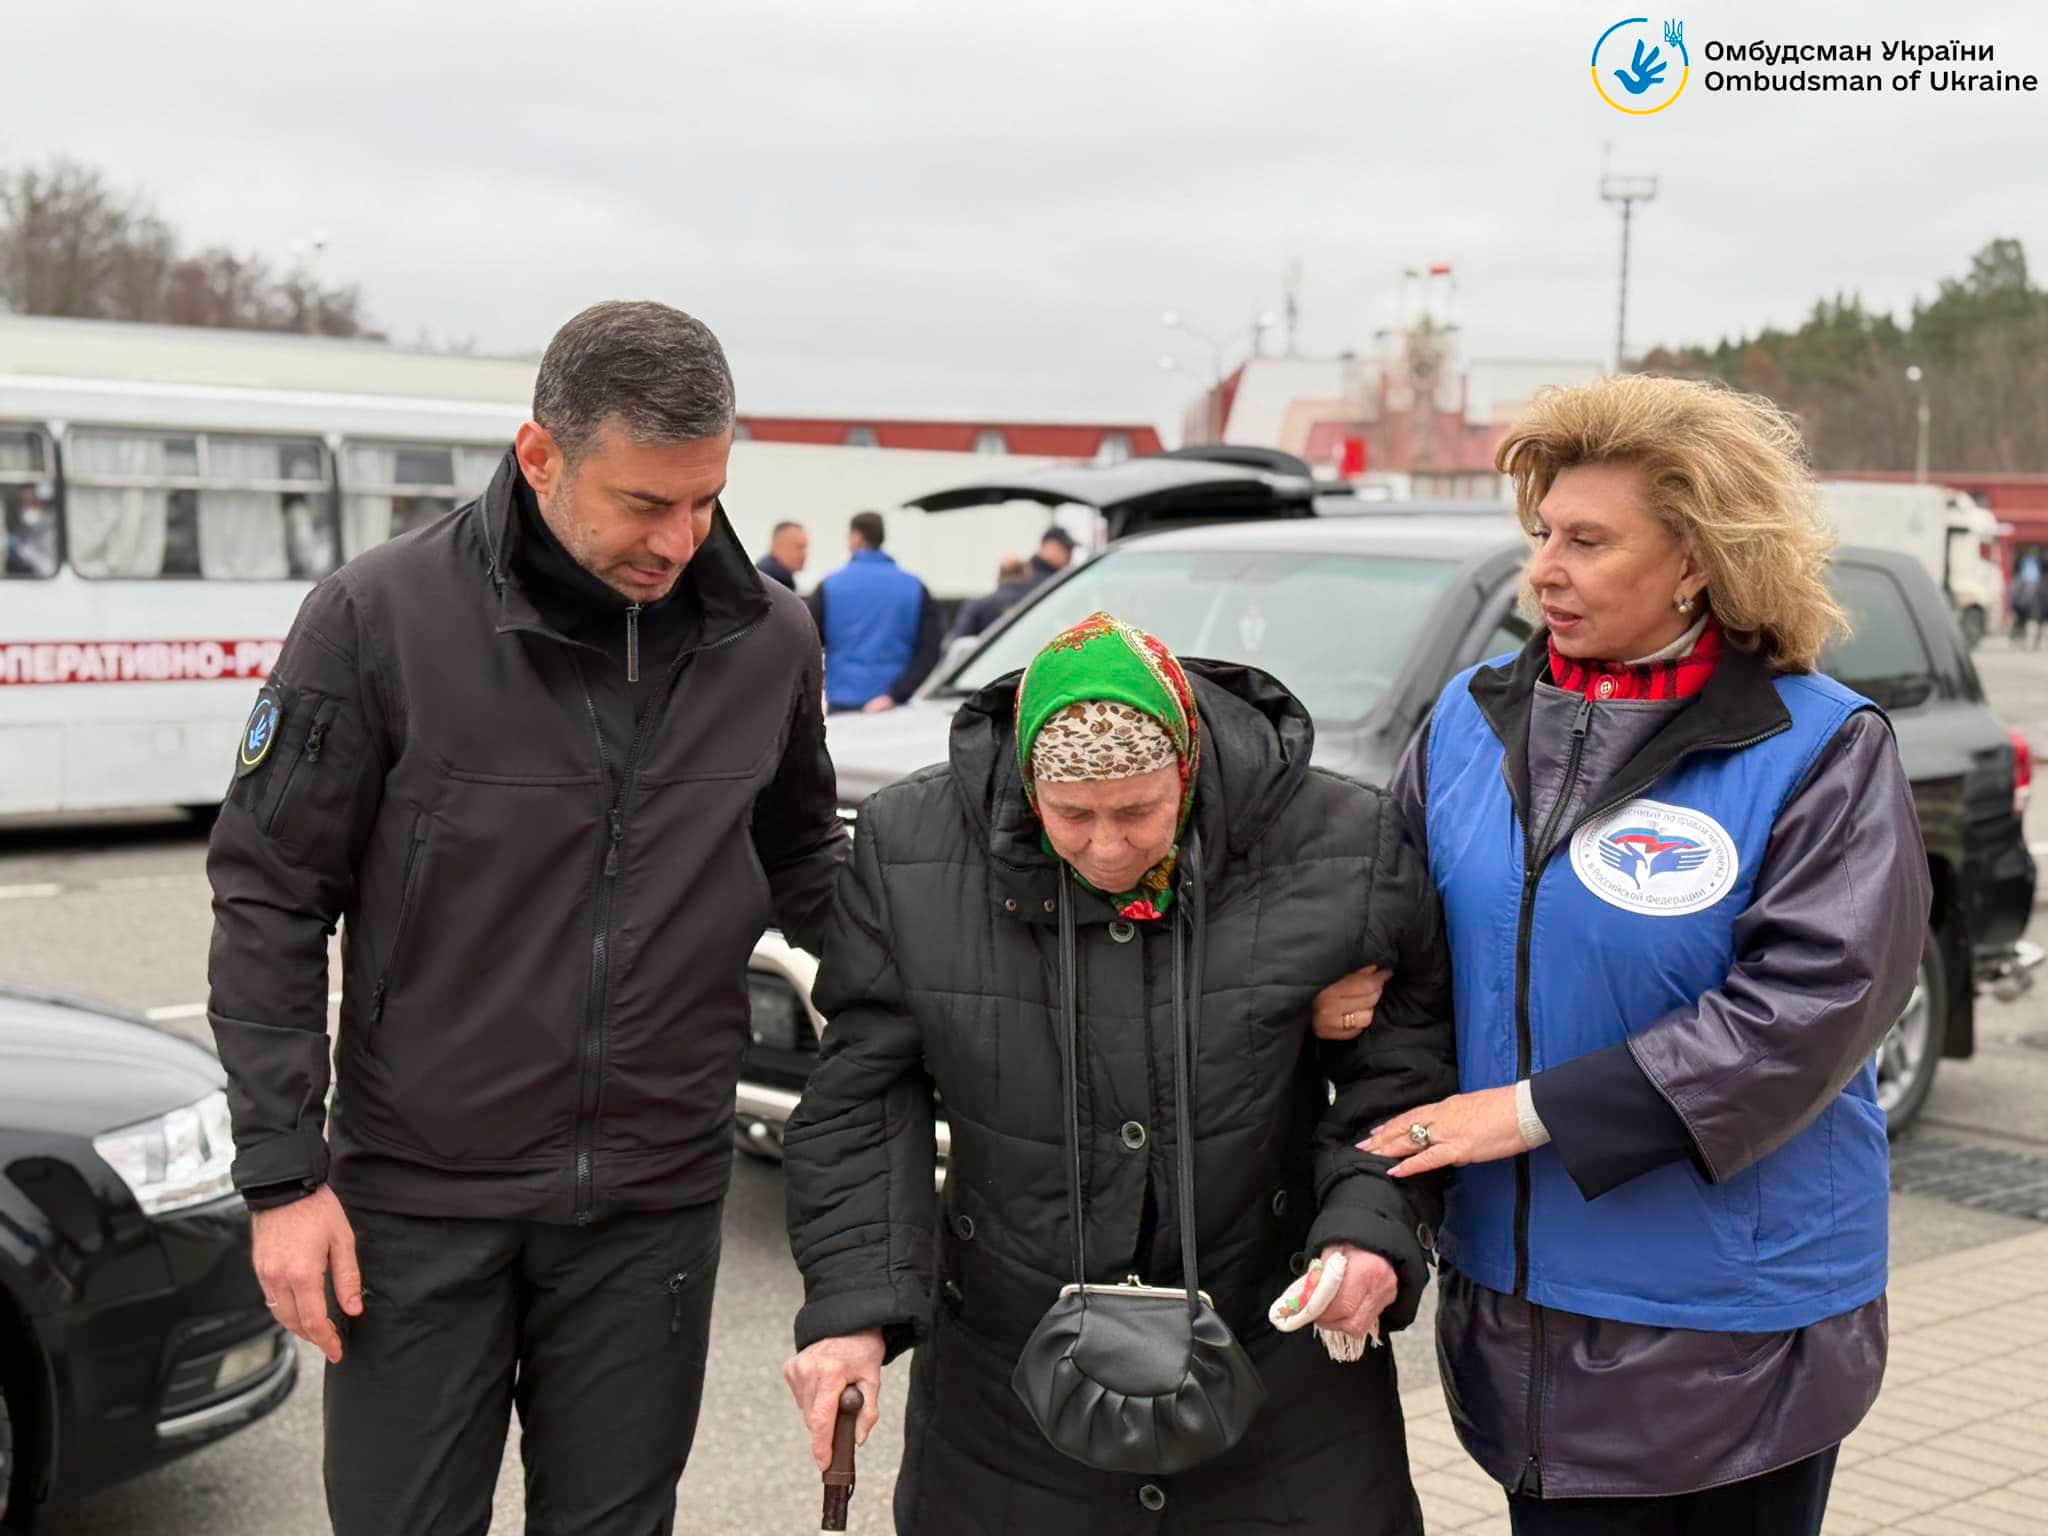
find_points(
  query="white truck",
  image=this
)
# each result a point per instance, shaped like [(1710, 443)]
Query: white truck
[(1954, 538)]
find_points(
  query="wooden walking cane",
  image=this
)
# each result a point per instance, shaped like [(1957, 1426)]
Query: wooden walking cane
[(839, 1476)]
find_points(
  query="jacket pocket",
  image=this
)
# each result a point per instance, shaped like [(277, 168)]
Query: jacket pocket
[(415, 857), (304, 766)]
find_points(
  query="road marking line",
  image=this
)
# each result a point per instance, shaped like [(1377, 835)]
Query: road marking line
[(42, 889), (142, 882), (198, 1010)]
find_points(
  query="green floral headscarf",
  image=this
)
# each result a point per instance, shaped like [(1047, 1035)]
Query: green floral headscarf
[(1103, 661)]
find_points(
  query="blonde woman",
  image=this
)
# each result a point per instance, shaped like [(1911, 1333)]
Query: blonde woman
[(1686, 894)]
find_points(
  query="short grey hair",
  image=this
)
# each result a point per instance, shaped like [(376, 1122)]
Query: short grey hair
[(657, 372)]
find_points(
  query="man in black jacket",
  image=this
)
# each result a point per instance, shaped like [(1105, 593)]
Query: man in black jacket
[(789, 550), (553, 761)]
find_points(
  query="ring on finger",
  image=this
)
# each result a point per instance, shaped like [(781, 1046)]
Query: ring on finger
[(1418, 1135)]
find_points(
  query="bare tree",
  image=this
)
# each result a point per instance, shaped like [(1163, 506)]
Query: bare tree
[(71, 245)]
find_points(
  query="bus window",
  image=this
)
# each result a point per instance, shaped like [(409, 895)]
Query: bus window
[(28, 505), (392, 488), (228, 507)]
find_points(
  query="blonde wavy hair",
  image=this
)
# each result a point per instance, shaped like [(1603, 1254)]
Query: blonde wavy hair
[(1726, 472)]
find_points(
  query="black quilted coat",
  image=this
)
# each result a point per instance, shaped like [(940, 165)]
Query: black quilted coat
[(941, 973)]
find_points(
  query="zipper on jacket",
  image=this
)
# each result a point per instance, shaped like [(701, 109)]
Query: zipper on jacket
[(316, 741), (1530, 1483), (414, 843), (676, 1283), (633, 643), (590, 1047), (1536, 855)]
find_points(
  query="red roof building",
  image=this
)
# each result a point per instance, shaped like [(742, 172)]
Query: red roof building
[(1102, 443)]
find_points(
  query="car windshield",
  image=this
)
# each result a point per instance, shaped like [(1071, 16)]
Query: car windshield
[(1336, 629)]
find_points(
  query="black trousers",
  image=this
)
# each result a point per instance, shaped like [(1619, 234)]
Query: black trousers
[(1788, 1502), (595, 1334)]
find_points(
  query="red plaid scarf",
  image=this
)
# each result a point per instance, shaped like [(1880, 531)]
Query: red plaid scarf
[(1679, 678)]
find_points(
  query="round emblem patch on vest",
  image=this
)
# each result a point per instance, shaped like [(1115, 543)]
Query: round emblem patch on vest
[(1657, 859), (260, 734)]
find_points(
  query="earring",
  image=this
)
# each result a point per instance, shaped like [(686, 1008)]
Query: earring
[(1684, 603)]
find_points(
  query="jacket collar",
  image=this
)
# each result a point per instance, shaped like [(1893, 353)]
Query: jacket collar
[(1738, 708), (729, 592)]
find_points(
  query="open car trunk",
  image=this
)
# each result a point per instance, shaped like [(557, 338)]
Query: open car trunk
[(1148, 495)]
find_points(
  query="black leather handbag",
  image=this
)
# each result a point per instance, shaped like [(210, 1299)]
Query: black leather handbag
[(1133, 1378)]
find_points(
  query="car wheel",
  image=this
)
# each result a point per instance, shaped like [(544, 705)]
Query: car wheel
[(1973, 627), (1911, 1049)]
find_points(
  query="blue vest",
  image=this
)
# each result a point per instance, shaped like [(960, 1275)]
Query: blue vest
[(1634, 916), (873, 608)]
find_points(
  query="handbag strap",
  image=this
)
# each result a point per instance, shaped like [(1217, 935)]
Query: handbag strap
[(1186, 1029), (1070, 1042)]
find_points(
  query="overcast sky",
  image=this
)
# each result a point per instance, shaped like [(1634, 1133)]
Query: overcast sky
[(894, 207)]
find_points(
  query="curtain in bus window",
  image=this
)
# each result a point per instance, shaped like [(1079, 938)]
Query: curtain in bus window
[(20, 453), (241, 532), (116, 531), (366, 519)]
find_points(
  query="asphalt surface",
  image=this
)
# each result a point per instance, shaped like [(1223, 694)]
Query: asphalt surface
[(118, 910)]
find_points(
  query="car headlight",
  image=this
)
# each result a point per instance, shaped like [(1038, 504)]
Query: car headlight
[(175, 1160)]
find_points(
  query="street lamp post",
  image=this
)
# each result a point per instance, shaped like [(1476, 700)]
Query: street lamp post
[(1214, 414), (1918, 380), (1627, 191)]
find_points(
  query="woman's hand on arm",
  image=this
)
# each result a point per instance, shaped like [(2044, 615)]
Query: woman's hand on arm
[(1480, 1127), (1344, 1009)]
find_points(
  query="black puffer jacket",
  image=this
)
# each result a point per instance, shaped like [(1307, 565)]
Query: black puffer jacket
[(941, 971)]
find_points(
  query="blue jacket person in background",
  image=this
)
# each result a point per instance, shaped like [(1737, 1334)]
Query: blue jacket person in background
[(1686, 897), (879, 625)]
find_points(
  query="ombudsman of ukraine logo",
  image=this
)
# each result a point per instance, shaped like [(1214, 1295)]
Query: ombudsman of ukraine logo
[(260, 734), (1636, 70), (1657, 859)]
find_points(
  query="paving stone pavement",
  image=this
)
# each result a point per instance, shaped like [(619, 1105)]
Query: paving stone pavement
[(1956, 1446)]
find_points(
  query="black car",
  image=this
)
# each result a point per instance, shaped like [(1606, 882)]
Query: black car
[(132, 1329), (1366, 616)]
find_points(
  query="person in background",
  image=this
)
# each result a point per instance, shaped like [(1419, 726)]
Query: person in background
[(879, 625), (1055, 554), (1015, 580), (789, 548), (2025, 598)]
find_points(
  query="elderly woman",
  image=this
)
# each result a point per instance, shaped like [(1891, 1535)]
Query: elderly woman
[(1098, 934), (1686, 895)]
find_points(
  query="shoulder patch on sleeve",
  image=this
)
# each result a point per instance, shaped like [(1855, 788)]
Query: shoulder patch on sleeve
[(259, 735)]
